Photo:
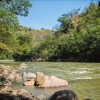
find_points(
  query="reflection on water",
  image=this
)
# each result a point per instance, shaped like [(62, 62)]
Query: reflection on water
[(47, 92), (83, 88), (84, 78)]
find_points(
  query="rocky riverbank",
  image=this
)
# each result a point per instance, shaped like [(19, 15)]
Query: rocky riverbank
[(10, 75)]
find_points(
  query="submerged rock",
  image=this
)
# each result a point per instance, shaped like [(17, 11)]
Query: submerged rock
[(45, 81)]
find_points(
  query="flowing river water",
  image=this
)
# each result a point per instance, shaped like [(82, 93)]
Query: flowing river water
[(83, 78)]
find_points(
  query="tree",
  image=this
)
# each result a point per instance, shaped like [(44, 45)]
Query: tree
[(9, 9), (65, 21), (8, 25), (8, 33), (18, 7)]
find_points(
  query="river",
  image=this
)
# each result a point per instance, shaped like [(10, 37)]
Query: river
[(83, 78)]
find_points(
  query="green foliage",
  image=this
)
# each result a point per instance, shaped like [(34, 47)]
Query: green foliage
[(17, 7), (8, 33), (25, 39), (30, 41), (5, 52), (47, 47), (8, 24)]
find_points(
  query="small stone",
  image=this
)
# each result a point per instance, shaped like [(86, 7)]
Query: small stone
[(29, 83)]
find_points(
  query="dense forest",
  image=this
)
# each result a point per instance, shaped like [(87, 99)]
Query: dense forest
[(77, 38)]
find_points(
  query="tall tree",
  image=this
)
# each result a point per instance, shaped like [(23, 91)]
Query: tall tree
[(65, 20)]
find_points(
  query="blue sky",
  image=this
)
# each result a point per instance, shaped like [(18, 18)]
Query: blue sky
[(44, 13)]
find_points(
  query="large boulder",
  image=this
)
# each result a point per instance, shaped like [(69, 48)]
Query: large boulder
[(54, 82), (28, 76), (45, 81), (64, 95)]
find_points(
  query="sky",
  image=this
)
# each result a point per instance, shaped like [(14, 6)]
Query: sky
[(44, 13)]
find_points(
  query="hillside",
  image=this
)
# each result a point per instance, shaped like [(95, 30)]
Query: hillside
[(37, 35)]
